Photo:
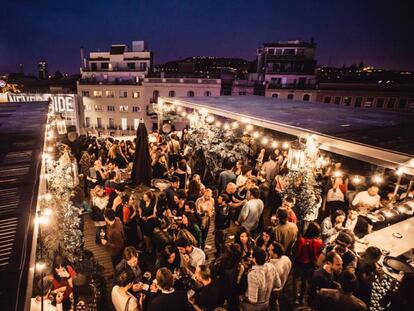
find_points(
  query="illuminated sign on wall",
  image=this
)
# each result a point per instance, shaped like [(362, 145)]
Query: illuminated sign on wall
[(66, 104)]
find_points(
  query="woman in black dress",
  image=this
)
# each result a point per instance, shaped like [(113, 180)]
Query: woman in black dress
[(160, 168), (181, 173), (148, 214)]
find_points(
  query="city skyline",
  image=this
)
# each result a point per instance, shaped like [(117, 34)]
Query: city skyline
[(376, 33)]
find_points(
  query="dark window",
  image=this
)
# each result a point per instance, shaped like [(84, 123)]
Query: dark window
[(290, 96), (347, 100), (391, 103), (402, 103), (131, 65), (358, 102), (104, 65), (327, 99), (190, 94), (275, 95), (300, 51), (289, 52), (242, 93), (271, 51), (207, 93), (337, 100), (87, 122), (143, 66), (171, 93), (306, 97), (278, 51), (93, 66), (380, 102)]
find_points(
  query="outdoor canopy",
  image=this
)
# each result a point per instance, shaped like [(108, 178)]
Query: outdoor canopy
[(384, 138)]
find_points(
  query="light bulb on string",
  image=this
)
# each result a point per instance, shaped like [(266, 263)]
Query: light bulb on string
[(377, 179), (218, 124), (226, 126), (285, 145), (48, 196), (356, 180), (398, 172), (184, 114), (235, 125), (42, 219), (210, 119), (50, 149), (265, 141), (338, 173), (47, 212), (256, 135), (179, 109), (275, 144), (249, 127), (40, 266)]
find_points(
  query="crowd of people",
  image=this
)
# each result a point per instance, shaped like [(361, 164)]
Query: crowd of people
[(158, 237)]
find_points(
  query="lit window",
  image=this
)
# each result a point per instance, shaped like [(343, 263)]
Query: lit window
[(97, 93), (123, 108), (136, 123), (109, 94), (88, 107), (124, 124), (136, 95)]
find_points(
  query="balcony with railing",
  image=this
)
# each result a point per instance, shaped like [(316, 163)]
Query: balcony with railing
[(116, 81), (182, 80)]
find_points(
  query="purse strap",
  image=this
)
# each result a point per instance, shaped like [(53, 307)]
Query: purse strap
[(127, 304)]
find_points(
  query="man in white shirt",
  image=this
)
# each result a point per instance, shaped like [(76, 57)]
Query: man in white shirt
[(36, 303), (252, 211), (367, 200), (205, 208), (191, 256), (283, 265)]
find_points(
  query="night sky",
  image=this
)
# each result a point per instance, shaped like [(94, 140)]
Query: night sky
[(379, 33)]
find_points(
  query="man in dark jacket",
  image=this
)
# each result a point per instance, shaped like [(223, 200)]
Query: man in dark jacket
[(115, 236), (341, 299)]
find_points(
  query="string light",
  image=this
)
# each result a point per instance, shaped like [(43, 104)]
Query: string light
[(42, 220), (275, 144), (49, 149), (226, 126), (256, 135), (40, 266), (235, 125), (285, 145), (378, 179), (218, 124), (184, 114), (210, 119), (249, 127), (356, 180), (179, 109), (398, 172), (338, 174), (265, 140), (48, 197), (203, 111), (47, 212)]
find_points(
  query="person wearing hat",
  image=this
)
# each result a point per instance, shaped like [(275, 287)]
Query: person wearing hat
[(45, 287)]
